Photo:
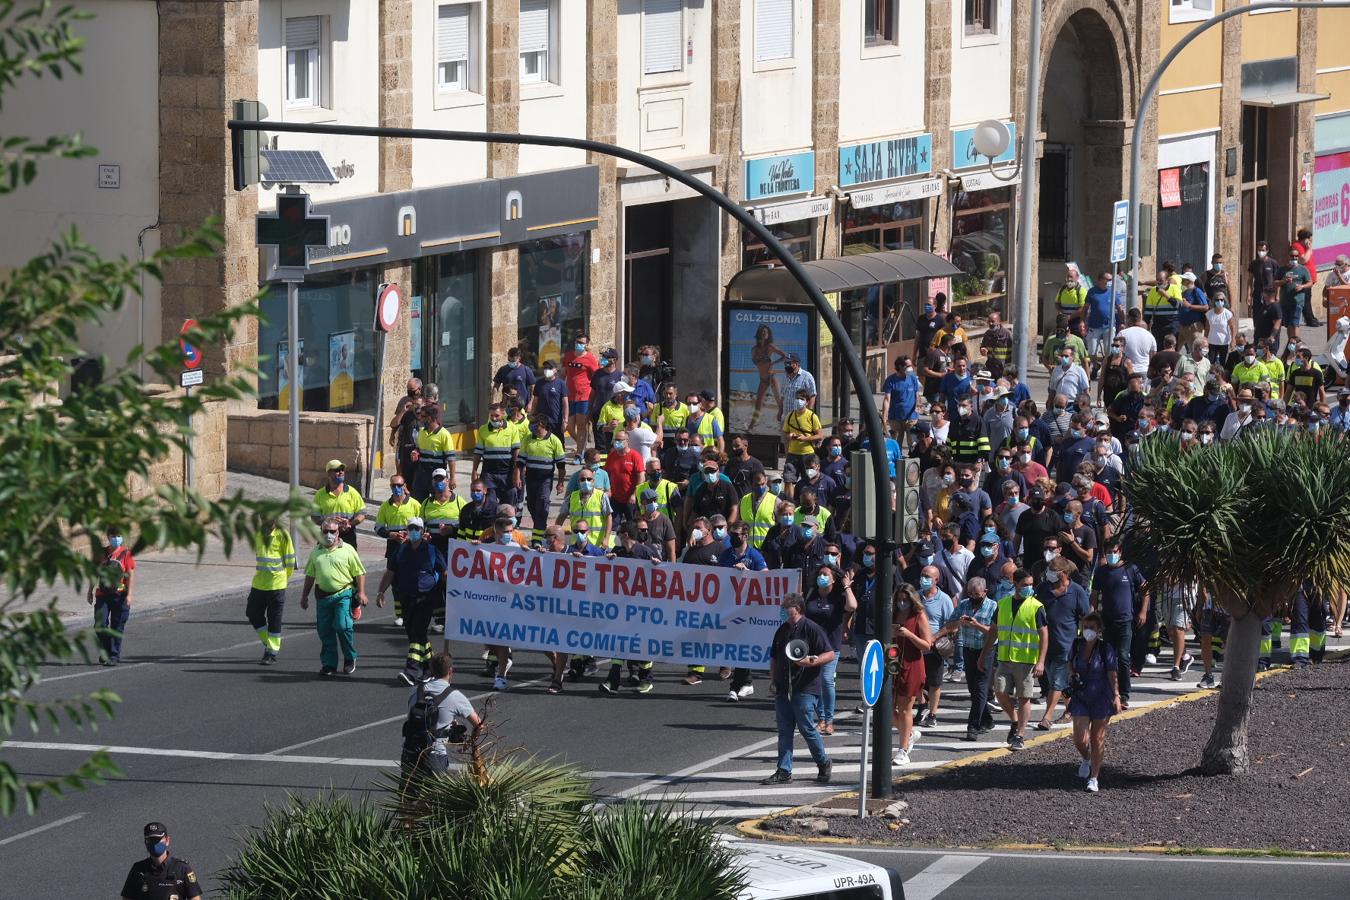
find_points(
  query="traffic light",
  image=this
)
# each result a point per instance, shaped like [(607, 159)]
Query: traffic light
[(892, 659), (244, 145), (907, 509)]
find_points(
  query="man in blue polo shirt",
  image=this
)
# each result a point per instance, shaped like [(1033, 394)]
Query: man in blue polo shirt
[(1118, 593)]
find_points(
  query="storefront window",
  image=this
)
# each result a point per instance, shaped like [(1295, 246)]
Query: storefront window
[(981, 225), (554, 289), (337, 344), (884, 314), (451, 334), (798, 237)]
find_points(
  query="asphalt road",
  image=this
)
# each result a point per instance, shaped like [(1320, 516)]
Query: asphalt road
[(206, 738)]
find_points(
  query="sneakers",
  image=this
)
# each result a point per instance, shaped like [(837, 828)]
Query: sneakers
[(499, 683), (901, 758), (437, 628), (1175, 674), (398, 621), (779, 776), (349, 667), (914, 735), (268, 658), (1085, 768), (693, 678), (733, 697), (645, 687), (823, 773), (555, 687), (1092, 786), (605, 688), (1150, 659), (724, 673), (1012, 733), (971, 735), (952, 675), (744, 691), (328, 671), (510, 662), (1017, 743), (1207, 680), (406, 677), (1186, 662), (928, 721)]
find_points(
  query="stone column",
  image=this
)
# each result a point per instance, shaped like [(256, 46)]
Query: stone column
[(825, 112), (207, 58), (938, 110), (503, 114), (1304, 120), (396, 88), (602, 50), (1227, 228), (726, 125)]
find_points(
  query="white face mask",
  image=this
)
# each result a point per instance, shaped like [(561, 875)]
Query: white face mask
[(1089, 634), (1261, 254), (696, 536)]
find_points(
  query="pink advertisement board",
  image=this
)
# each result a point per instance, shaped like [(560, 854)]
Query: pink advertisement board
[(1331, 207)]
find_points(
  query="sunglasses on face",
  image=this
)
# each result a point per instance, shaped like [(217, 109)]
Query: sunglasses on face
[(330, 531)]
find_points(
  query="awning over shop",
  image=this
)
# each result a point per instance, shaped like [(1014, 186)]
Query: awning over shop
[(839, 274), (1284, 98), (1274, 82)]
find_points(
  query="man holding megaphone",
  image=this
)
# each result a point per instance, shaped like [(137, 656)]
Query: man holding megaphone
[(800, 649)]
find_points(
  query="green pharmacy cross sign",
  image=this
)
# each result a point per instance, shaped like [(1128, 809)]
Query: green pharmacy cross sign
[(293, 231)]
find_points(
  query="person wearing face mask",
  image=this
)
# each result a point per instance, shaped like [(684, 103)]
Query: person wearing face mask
[(801, 431), (757, 510), (1066, 602), (403, 427), (797, 688), (610, 418), (681, 458), (988, 559), (954, 387), (110, 595), (1010, 512), (1121, 595), (416, 569), (160, 876), (1220, 324), (974, 623), (669, 416), (626, 471), (338, 499), (434, 450), (514, 374), (858, 629), (939, 610), (808, 504), (702, 549), (1162, 301), (1211, 406), (912, 633), (1004, 473), (545, 462), (899, 404), (925, 330), (829, 602), (476, 516), (275, 560), (1093, 667), (590, 504), (742, 466), (1305, 378), (1269, 318), (1241, 417), (1062, 338), (996, 422), (1197, 365), (1036, 526), (548, 400), (795, 380), (654, 525), (335, 573), (391, 524), (579, 365), (1023, 638), (1339, 417), (1295, 293), (1191, 312), (708, 425), (968, 441), (495, 454), (710, 493)]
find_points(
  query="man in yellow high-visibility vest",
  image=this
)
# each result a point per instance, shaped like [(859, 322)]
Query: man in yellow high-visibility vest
[(1023, 641), (275, 561)]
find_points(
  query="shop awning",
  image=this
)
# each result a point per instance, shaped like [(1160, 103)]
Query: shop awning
[(839, 274), (1284, 98), (1274, 82)]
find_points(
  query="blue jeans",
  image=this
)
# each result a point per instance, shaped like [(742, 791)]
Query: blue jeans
[(111, 612), (827, 692), (801, 712), (1120, 635)]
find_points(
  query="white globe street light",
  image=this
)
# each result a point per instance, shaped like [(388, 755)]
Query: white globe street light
[(992, 138)]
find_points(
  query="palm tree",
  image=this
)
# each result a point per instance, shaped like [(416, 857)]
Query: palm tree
[(1250, 521)]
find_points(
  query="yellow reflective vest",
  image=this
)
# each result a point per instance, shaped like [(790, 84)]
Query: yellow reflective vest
[(1019, 640), (275, 560)]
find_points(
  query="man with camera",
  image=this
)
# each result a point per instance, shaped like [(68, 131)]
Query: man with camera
[(436, 718), (799, 651)]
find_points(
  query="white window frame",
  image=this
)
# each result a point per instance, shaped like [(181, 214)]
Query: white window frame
[(766, 57), (1181, 11), (468, 86), (315, 65), (983, 29), (678, 68), (548, 70)]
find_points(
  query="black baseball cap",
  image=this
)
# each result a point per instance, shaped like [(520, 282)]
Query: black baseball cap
[(1036, 493), (707, 395), (156, 830)]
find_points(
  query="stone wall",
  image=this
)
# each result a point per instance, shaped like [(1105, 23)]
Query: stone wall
[(208, 453), (260, 444)]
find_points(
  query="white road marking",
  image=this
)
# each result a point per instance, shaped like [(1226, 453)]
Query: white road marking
[(1123, 856), (661, 781), (774, 791), (940, 875), (41, 828)]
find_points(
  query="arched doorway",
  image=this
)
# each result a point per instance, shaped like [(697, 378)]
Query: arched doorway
[(1086, 142)]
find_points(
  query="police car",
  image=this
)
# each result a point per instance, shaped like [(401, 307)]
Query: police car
[(778, 872)]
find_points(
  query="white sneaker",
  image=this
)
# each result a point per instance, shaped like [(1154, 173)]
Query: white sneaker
[(914, 735), (499, 683), (509, 662), (1092, 786), (732, 696), (398, 621), (1085, 768), (746, 691), (1151, 659), (901, 758), (437, 628)]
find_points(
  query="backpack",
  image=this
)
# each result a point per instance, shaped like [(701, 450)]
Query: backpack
[(419, 729)]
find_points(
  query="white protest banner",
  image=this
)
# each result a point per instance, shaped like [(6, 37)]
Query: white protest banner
[(618, 608)]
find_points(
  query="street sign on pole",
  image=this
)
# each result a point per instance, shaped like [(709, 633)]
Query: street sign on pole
[(873, 667), (192, 355), (1120, 231)]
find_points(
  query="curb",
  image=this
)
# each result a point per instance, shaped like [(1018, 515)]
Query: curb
[(754, 827)]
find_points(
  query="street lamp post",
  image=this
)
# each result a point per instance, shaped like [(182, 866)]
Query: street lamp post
[(1151, 91), (876, 433)]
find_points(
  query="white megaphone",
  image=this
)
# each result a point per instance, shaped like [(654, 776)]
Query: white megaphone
[(796, 650)]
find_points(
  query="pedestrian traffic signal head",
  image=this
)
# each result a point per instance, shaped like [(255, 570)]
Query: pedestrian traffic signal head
[(892, 659)]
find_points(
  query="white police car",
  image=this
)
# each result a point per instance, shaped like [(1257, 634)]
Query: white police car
[(780, 872)]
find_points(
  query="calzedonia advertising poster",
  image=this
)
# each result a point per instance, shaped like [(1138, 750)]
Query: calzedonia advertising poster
[(758, 337)]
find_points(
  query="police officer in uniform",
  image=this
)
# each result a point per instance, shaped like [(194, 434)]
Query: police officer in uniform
[(160, 876)]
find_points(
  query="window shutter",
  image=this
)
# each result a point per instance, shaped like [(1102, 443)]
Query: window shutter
[(534, 25), (452, 33), (662, 31), (773, 29), (302, 32)]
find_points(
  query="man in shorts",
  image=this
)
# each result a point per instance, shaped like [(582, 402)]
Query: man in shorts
[(1175, 603), (1023, 641), (1213, 630)]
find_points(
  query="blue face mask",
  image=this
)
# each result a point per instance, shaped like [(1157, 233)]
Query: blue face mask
[(808, 532), (514, 364), (1022, 433), (477, 496), (777, 488), (115, 542), (785, 520), (761, 490), (836, 451), (1112, 559), (653, 507), (1065, 362), (339, 479), (925, 582), (926, 560), (620, 445), (397, 490), (157, 848), (1005, 588), (579, 347), (986, 550), (720, 533), (647, 359), (832, 558), (1068, 518), (438, 486), (1027, 590), (822, 581), (414, 534), (868, 559)]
